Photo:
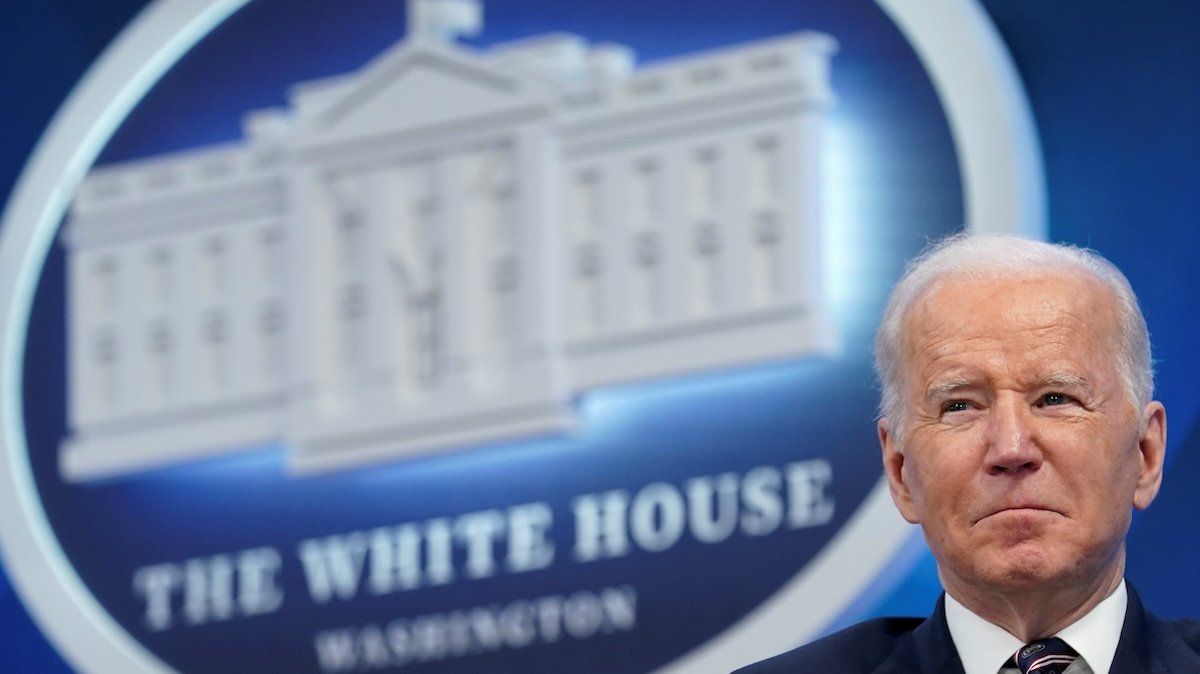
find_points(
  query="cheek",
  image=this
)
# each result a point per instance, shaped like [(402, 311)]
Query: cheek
[(933, 487), (1111, 468)]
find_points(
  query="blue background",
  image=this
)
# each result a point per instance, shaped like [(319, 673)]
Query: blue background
[(1115, 98)]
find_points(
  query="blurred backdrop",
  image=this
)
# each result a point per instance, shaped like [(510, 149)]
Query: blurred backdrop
[(1114, 97)]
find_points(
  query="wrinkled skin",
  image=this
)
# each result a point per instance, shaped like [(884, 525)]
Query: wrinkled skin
[(1022, 454)]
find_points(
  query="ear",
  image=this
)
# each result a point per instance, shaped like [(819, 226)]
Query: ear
[(1152, 449), (893, 468)]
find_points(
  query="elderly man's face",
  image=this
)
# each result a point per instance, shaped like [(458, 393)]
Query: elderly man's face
[(1021, 452)]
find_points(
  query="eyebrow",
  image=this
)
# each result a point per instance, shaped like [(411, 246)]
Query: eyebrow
[(1067, 380), (1057, 379), (947, 386)]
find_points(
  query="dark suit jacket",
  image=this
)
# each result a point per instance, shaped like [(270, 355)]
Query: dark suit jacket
[(916, 646)]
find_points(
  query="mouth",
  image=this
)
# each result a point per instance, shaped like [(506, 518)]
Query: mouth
[(1022, 509)]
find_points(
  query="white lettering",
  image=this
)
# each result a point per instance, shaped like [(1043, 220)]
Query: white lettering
[(439, 552), (517, 625), (458, 635), (583, 615), (620, 607), (335, 650), (810, 503), (333, 565), (412, 555), (764, 505), (485, 629), (549, 616), (373, 647), (407, 556), (395, 559), (259, 592), (400, 641), (211, 589), (156, 584), (713, 507), (528, 549), (208, 589), (600, 525), (479, 532), (658, 517), (429, 634)]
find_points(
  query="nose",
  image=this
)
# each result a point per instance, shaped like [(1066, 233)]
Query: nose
[(1012, 445)]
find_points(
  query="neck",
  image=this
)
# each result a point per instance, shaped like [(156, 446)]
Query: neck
[(1036, 612)]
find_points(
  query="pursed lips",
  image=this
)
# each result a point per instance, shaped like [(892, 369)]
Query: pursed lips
[(1018, 507)]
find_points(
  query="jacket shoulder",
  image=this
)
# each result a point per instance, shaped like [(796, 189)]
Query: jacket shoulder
[(861, 647), (1188, 630)]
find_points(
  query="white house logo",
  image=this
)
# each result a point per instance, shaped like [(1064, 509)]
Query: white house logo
[(510, 350), (447, 248)]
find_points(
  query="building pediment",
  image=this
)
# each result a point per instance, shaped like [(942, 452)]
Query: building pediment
[(418, 88)]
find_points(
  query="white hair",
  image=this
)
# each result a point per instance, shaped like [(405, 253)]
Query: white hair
[(978, 256)]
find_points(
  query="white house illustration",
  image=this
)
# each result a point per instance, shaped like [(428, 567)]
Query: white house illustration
[(446, 248)]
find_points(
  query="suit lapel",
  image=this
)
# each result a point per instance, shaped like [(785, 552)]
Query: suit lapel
[(928, 649), (1133, 652), (1147, 646), (1150, 646)]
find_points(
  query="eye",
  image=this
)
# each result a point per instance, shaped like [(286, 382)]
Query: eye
[(956, 406), (1051, 399)]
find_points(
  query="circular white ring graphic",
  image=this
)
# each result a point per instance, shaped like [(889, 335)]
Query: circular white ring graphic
[(1001, 168)]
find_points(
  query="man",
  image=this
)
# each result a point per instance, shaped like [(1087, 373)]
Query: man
[(1018, 429)]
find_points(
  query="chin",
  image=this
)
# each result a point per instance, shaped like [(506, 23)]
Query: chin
[(1027, 565)]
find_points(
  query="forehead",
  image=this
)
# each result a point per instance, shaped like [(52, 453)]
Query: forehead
[(1026, 315)]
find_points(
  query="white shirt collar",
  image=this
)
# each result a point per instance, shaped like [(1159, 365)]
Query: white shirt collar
[(984, 647)]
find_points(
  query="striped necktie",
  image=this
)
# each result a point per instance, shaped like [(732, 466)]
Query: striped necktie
[(1046, 656)]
